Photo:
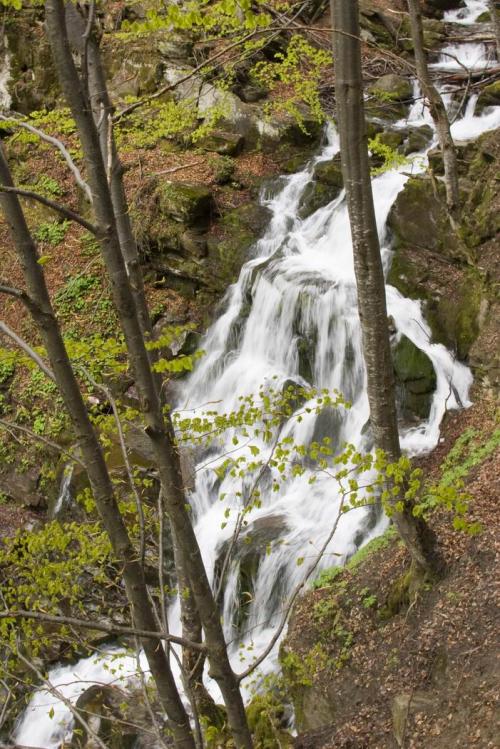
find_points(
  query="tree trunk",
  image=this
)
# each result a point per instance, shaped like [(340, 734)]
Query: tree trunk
[(158, 428), (102, 111), (102, 488), (86, 43), (367, 259), (437, 110), (494, 8)]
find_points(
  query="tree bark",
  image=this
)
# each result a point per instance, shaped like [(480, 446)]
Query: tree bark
[(367, 259), (494, 8), (158, 428), (102, 488), (437, 110), (85, 41), (102, 112)]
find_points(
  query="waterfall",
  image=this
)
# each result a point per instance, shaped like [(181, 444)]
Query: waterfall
[(64, 497), (298, 287), (5, 71)]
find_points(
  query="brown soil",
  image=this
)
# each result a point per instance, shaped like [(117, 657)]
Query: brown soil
[(439, 652)]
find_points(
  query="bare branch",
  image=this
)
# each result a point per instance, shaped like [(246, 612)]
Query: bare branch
[(140, 512), (57, 693), (293, 598), (66, 212), (11, 427), (60, 146), (112, 629), (4, 328)]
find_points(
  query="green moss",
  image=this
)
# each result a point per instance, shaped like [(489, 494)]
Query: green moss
[(265, 715)]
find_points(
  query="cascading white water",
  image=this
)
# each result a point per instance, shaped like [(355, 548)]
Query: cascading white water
[(299, 286), (5, 72)]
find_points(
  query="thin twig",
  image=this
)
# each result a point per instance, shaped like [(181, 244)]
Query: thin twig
[(59, 145), (123, 446), (4, 328), (66, 212), (292, 599), (112, 629)]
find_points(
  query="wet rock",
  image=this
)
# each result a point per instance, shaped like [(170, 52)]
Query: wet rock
[(489, 97), (419, 219), (326, 185), (415, 378), (436, 8), (221, 142), (392, 87), (248, 551), (417, 139), (116, 716)]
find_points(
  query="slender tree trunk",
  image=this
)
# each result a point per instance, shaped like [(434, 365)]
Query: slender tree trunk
[(102, 488), (367, 259), (85, 42), (102, 112), (494, 8), (158, 428), (437, 110)]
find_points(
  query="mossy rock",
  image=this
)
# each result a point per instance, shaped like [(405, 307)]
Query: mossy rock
[(415, 378), (325, 186), (387, 111), (186, 203), (33, 81), (330, 173), (411, 364), (457, 322), (417, 139), (134, 67), (222, 142), (315, 196), (266, 720), (392, 87), (419, 218), (489, 97)]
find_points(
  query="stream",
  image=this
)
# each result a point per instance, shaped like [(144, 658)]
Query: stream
[(298, 286)]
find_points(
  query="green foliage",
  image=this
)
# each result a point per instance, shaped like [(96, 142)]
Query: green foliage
[(42, 569), (300, 69), (48, 187), (73, 295), (52, 232), (7, 364), (390, 157), (154, 122), (218, 17)]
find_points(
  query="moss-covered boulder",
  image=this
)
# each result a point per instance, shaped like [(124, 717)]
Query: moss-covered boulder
[(417, 139), (185, 203), (391, 87), (32, 82), (415, 378), (325, 186), (419, 218), (267, 722), (222, 142), (489, 97), (238, 229)]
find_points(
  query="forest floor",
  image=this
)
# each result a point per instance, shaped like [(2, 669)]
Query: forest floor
[(426, 677)]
